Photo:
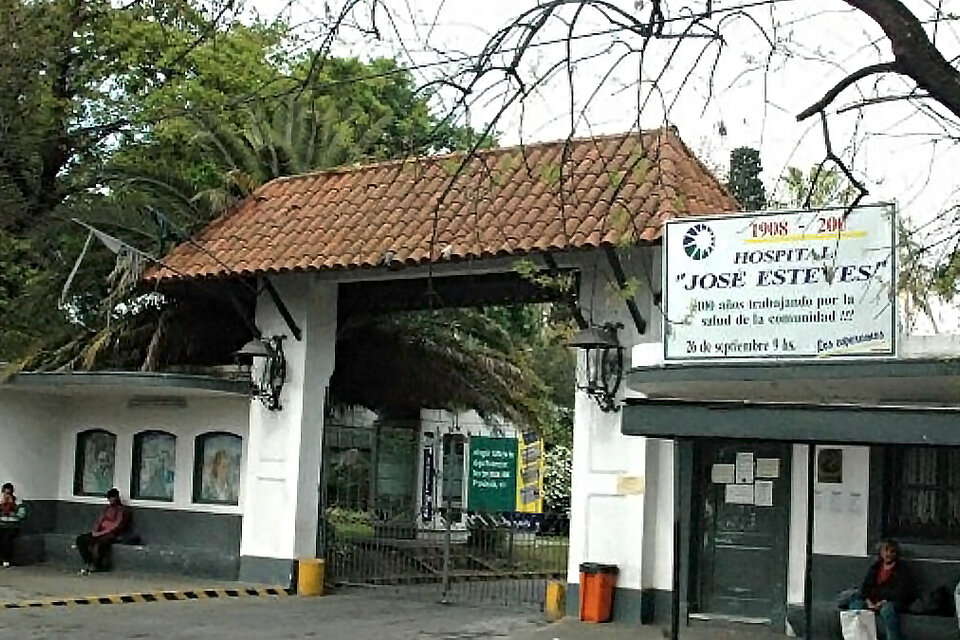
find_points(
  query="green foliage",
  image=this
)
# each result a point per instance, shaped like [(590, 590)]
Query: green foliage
[(550, 173), (500, 361), (744, 182), (546, 279), (116, 113), (616, 178), (558, 475), (641, 169), (828, 188), (148, 119)]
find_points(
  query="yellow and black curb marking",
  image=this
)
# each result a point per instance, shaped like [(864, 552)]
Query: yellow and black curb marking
[(152, 596)]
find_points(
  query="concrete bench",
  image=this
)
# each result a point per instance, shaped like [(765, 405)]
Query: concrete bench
[(27, 550), (826, 624), (200, 562)]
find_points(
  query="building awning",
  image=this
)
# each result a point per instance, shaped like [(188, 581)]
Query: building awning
[(148, 386), (822, 424), (910, 402)]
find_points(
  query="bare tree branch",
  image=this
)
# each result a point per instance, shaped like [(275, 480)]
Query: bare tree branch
[(916, 56), (853, 78)]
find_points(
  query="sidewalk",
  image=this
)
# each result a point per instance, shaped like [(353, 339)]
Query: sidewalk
[(572, 629), (40, 582)]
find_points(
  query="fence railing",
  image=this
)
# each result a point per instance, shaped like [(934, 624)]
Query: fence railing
[(472, 557), (374, 534)]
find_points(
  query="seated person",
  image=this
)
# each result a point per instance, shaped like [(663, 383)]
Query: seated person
[(887, 590), (11, 516), (94, 547)]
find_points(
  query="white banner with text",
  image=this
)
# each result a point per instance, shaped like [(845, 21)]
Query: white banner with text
[(806, 284)]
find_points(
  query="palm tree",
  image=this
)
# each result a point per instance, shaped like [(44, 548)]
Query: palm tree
[(291, 137), (451, 358), (825, 186)]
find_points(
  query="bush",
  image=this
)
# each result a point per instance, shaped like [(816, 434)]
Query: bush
[(558, 472)]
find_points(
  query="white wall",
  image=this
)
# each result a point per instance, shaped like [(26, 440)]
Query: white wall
[(607, 506), (30, 444), (839, 517), (38, 435), (113, 413)]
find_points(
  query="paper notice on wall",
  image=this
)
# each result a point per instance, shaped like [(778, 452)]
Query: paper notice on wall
[(763, 493), (630, 485), (744, 468), (739, 494), (723, 474), (768, 467)]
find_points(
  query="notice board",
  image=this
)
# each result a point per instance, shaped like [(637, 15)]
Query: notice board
[(493, 474)]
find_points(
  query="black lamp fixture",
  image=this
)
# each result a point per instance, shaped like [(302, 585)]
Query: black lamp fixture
[(272, 374), (603, 357)]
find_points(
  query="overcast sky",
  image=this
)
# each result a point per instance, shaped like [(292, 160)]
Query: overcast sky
[(899, 153)]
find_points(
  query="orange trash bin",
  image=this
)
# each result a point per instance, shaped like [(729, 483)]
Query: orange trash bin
[(597, 584)]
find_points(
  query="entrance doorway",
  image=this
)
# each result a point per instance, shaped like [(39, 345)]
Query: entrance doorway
[(741, 521)]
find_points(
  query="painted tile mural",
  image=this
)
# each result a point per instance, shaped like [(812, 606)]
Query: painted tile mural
[(158, 463), (220, 473), (98, 457)]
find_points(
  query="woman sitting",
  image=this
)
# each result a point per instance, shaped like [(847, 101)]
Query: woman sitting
[(11, 516)]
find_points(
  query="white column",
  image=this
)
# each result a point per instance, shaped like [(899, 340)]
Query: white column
[(609, 469), (281, 488), (607, 501)]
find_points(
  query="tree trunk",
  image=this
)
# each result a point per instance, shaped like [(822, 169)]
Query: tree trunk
[(915, 55)]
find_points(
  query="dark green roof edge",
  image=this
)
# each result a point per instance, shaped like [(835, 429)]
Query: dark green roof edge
[(794, 370), (132, 380)]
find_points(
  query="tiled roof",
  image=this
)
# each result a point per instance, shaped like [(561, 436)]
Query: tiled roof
[(503, 202)]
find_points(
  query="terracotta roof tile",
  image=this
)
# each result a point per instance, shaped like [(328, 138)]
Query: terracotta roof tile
[(506, 201)]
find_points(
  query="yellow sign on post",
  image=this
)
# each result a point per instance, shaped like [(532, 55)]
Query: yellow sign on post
[(530, 466)]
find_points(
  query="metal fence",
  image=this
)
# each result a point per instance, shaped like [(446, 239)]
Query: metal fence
[(380, 528)]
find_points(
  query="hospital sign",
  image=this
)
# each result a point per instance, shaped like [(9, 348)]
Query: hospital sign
[(807, 284)]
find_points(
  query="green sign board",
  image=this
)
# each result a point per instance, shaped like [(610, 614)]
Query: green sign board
[(493, 474)]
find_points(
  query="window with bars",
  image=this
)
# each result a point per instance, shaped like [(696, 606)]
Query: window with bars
[(923, 494)]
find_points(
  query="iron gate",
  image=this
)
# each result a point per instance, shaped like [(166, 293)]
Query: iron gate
[(381, 526)]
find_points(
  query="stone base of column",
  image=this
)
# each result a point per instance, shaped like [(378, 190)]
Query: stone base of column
[(276, 572)]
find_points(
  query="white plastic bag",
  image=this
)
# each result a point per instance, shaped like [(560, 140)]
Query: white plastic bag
[(956, 601), (858, 625)]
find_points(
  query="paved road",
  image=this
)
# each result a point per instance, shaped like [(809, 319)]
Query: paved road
[(351, 617), (41, 582)]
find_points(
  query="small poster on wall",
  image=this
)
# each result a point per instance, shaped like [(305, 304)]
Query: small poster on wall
[(96, 461), (157, 455), (768, 467), (530, 468), (723, 474), (830, 466), (493, 475), (744, 466), (426, 488), (763, 493), (739, 494), (219, 473)]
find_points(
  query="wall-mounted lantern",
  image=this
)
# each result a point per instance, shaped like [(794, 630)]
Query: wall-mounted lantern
[(271, 374), (603, 364)]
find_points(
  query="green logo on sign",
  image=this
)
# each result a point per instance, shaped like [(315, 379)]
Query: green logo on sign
[(698, 241)]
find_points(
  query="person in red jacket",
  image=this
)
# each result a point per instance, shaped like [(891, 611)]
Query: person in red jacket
[(95, 546)]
